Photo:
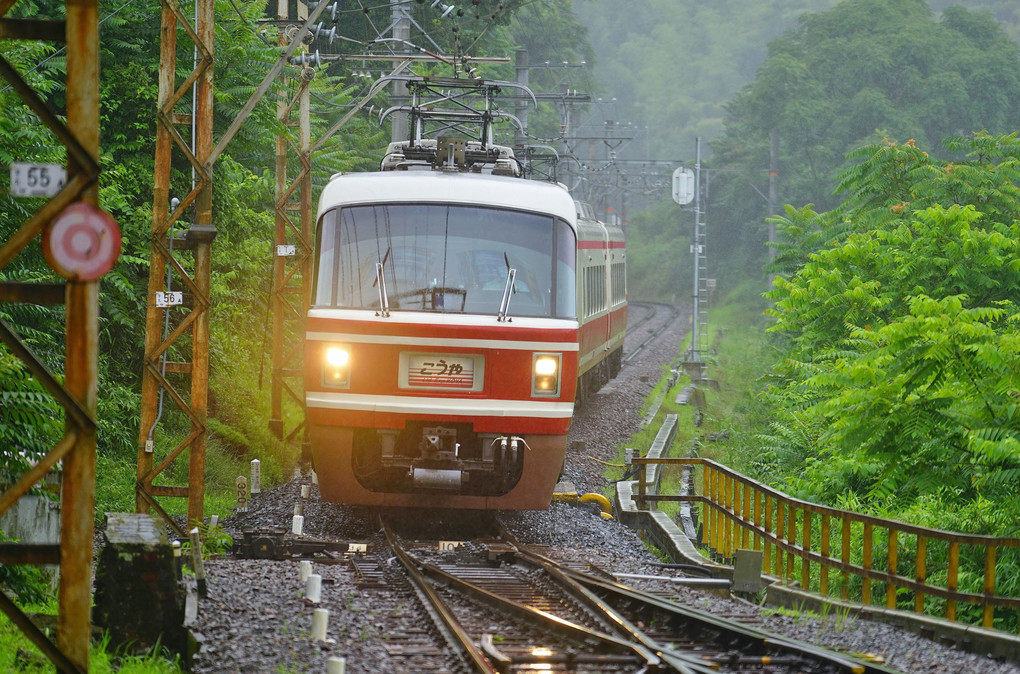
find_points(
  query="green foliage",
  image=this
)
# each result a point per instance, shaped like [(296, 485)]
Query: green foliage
[(18, 654), (216, 542), (115, 492), (854, 75), (25, 582), (828, 75), (900, 334), (653, 237), (29, 418)]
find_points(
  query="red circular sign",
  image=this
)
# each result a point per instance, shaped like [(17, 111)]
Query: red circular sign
[(82, 243)]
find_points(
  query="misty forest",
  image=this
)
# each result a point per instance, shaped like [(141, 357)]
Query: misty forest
[(862, 207)]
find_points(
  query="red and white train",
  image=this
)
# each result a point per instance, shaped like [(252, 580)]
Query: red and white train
[(457, 312)]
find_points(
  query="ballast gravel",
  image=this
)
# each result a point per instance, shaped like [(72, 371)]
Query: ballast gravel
[(255, 617)]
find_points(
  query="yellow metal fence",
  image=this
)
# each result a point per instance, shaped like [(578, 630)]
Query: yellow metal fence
[(841, 549)]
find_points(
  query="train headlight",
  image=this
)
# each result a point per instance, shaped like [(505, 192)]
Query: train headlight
[(545, 374), (336, 368)]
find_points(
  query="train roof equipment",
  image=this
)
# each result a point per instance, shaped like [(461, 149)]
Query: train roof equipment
[(451, 126)]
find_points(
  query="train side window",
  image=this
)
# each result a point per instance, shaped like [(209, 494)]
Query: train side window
[(564, 301), (616, 283)]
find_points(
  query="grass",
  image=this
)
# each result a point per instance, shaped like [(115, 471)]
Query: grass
[(115, 492), (18, 654), (737, 359), (738, 356)]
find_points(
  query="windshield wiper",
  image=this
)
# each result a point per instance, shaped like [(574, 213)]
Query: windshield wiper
[(508, 290), (380, 281)]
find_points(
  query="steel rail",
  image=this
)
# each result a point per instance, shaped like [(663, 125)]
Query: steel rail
[(680, 662), (645, 318), (547, 621), (657, 306), (764, 645), (759, 647), (455, 634)]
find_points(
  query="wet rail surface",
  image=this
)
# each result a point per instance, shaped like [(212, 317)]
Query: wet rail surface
[(495, 605), (646, 323)]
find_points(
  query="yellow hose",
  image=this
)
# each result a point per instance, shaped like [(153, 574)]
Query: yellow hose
[(604, 505), (569, 497)]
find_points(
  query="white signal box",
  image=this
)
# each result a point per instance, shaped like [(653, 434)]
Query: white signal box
[(683, 186)]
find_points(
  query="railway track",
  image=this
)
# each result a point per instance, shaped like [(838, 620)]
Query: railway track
[(649, 326), (499, 606)]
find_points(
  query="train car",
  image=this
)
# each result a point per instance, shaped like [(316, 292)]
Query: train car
[(457, 311)]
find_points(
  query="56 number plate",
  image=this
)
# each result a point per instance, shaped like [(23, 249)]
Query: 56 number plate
[(442, 371)]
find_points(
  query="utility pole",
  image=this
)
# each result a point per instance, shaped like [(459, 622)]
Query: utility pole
[(70, 209), (693, 365), (402, 33), (522, 107), (700, 262), (166, 247), (773, 174)]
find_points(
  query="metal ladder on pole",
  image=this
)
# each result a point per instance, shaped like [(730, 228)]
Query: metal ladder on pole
[(703, 290), (694, 365), (701, 282)]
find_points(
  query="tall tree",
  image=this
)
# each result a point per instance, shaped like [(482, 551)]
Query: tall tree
[(862, 71)]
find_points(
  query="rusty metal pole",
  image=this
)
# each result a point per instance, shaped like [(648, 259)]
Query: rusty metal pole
[(164, 248), (307, 236), (81, 370), (279, 238), (157, 263), (204, 235), (292, 250), (203, 232)]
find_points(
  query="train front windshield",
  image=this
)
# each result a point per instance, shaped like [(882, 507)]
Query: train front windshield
[(445, 258)]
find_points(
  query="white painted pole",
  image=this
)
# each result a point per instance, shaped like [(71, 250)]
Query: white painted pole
[(304, 570), (313, 588), (298, 525), (336, 665), (256, 476), (320, 621)]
